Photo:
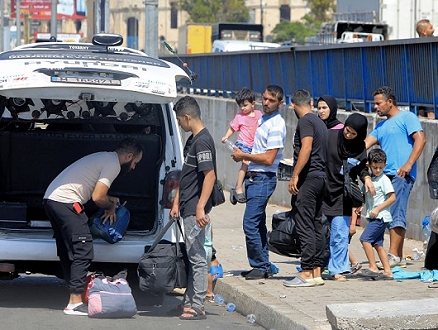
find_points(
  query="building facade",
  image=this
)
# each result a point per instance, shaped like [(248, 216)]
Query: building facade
[(127, 17)]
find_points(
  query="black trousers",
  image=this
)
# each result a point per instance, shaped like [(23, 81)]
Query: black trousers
[(74, 243), (307, 210)]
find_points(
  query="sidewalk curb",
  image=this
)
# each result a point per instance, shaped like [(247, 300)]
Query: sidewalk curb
[(271, 313), (387, 315)]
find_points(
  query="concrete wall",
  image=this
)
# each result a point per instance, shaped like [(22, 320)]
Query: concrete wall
[(218, 112)]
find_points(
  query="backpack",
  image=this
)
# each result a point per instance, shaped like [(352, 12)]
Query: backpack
[(110, 233)]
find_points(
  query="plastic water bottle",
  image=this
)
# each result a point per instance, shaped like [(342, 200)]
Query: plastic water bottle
[(231, 307), (229, 144), (196, 229), (218, 299), (274, 269), (251, 318), (425, 231)]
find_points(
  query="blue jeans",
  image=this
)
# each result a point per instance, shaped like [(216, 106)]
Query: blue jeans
[(402, 190), (340, 230), (258, 191)]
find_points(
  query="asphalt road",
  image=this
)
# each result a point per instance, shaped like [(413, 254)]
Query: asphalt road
[(35, 302)]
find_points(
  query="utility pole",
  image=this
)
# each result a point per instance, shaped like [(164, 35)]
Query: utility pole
[(54, 20), (261, 12), (151, 28), (91, 19), (18, 21), (2, 25)]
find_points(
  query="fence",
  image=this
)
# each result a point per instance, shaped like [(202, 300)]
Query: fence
[(349, 72)]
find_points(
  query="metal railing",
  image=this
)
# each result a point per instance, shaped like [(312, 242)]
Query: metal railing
[(349, 72)]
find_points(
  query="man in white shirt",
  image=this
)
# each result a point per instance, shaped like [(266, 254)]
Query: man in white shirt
[(88, 178)]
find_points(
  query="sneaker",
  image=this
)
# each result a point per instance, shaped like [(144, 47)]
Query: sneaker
[(81, 310), (298, 281), (402, 263), (318, 281), (393, 261)]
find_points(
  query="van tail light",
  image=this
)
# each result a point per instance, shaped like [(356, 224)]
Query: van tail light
[(171, 184)]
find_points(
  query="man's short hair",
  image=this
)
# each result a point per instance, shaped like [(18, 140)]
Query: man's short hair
[(421, 26), (376, 155), (187, 105), (130, 145), (245, 94), (387, 93), (277, 91), (302, 97)]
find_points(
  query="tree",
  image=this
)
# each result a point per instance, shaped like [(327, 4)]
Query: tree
[(215, 11), (319, 9), (297, 31)]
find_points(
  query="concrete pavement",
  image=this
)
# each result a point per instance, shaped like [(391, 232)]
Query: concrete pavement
[(357, 303)]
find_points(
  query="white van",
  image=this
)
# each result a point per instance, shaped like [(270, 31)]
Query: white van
[(240, 45), (62, 101)]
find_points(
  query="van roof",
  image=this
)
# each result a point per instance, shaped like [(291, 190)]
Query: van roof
[(112, 74)]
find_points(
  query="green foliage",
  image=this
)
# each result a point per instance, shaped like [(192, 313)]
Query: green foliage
[(319, 9), (215, 11), (297, 31)]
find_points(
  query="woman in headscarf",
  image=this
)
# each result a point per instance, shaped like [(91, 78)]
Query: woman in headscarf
[(348, 145), (328, 110)]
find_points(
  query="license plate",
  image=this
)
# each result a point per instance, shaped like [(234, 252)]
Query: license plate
[(90, 81)]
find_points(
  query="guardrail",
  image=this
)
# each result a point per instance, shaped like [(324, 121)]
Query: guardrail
[(349, 72)]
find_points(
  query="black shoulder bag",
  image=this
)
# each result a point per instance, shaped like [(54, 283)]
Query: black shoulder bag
[(352, 191)]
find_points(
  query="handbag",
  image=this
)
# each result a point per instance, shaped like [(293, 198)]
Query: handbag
[(164, 265), (217, 195), (352, 191), (110, 297)]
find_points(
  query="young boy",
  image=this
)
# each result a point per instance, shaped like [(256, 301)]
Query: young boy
[(193, 203), (378, 215), (246, 123)]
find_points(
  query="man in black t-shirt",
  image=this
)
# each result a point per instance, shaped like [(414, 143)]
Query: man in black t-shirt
[(193, 202), (307, 188)]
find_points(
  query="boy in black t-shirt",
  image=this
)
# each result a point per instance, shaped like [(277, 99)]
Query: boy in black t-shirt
[(193, 202)]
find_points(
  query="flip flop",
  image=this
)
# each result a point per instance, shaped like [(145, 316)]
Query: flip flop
[(195, 314), (233, 199), (384, 277), (240, 197), (368, 273)]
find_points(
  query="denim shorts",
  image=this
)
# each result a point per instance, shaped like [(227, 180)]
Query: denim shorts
[(374, 232), (402, 190), (243, 147)]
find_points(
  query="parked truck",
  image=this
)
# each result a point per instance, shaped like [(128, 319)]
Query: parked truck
[(194, 38), (401, 16)]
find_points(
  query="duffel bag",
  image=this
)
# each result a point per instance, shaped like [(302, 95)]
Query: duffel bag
[(110, 298), (164, 265), (283, 239)]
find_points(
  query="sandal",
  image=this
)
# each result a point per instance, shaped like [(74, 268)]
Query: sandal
[(240, 197), (339, 278), (355, 268), (233, 199), (193, 314)]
